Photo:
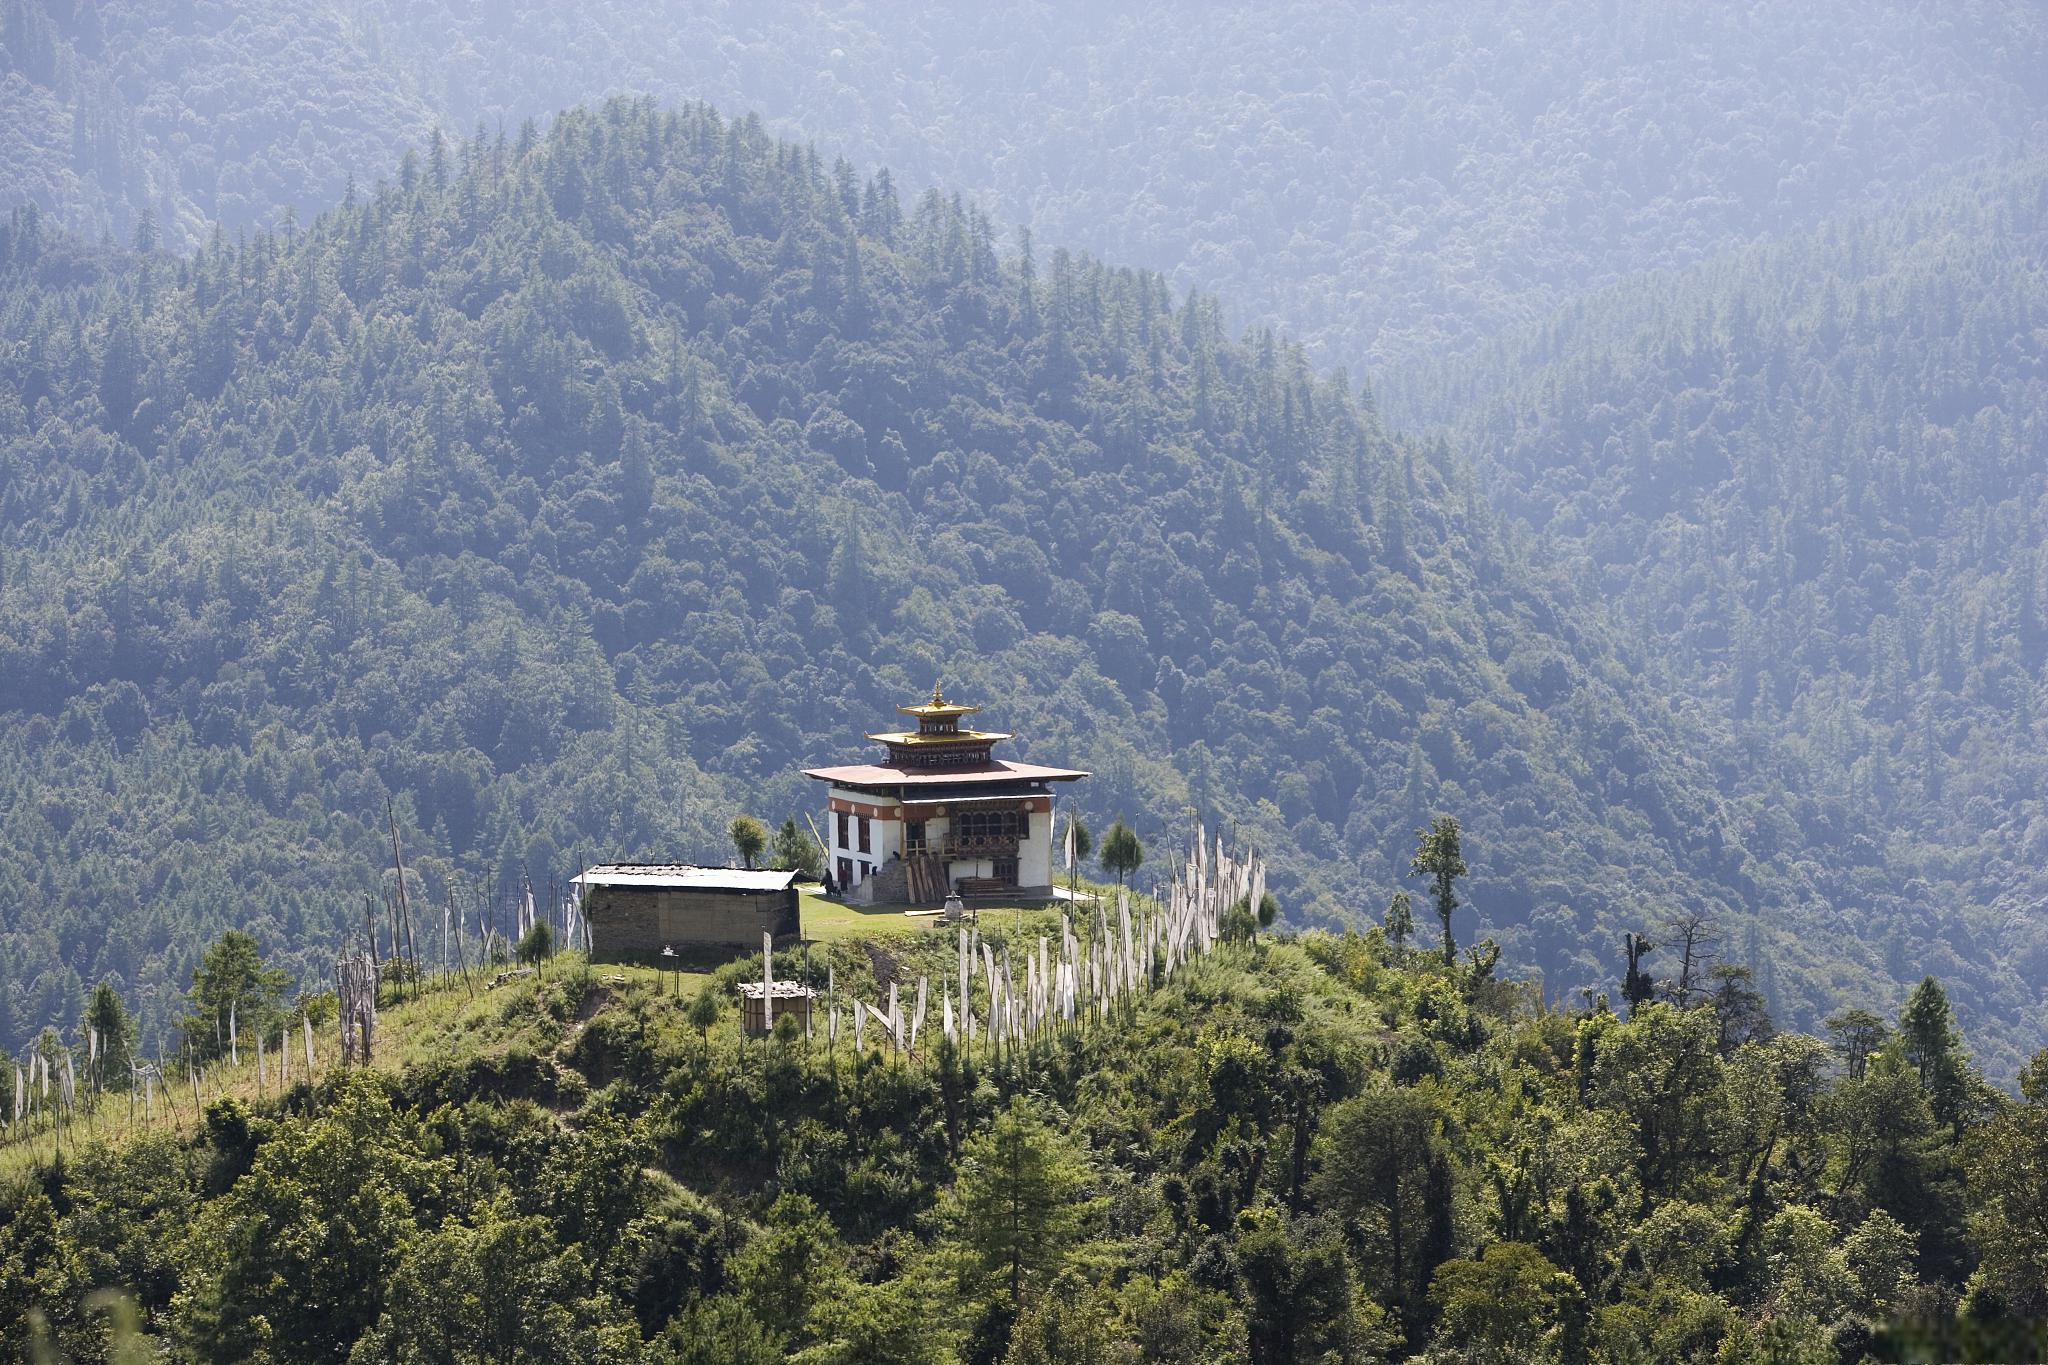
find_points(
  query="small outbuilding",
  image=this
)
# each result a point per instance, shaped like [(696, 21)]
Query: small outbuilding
[(759, 1010), (641, 908)]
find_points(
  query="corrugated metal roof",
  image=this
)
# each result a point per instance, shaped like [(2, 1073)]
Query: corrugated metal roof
[(685, 876)]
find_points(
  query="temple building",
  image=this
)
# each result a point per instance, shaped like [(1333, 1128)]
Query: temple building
[(942, 814)]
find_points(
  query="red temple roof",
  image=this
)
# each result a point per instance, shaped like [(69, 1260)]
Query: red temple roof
[(995, 770)]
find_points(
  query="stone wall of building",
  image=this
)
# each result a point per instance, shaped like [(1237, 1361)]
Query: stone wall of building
[(631, 920)]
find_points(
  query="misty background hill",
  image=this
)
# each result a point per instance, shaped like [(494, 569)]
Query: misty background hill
[(574, 491), (1392, 183), (1721, 590), (1809, 484)]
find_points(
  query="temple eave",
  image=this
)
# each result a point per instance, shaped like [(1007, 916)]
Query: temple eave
[(928, 739), (889, 775)]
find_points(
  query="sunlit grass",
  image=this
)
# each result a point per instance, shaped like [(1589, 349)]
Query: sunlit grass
[(829, 921), (485, 1014), (446, 1019)]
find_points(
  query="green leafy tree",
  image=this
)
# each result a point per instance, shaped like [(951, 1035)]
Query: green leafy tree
[(293, 1262), (749, 836), (1400, 922), (1858, 1035), (890, 1323), (1881, 1254), (41, 1284), (795, 850), (1121, 851), (1638, 987), (231, 984), (1071, 1323), (106, 1015), (1661, 1072), (1927, 1031), (790, 1273), (501, 1290), (1299, 1287), (2007, 1164), (1505, 1305), (717, 1331), (594, 1185), (1807, 1276), (1373, 1156), (703, 1013), (535, 944), (1740, 1015)]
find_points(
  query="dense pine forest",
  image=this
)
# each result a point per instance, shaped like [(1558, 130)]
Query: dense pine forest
[(1326, 1148), (1807, 483), (1424, 194), (572, 490)]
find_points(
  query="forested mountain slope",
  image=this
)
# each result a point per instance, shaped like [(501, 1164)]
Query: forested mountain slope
[(1812, 482), (1322, 1150), (1391, 181), (576, 490)]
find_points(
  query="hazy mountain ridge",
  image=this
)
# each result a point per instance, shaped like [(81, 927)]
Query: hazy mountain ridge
[(1808, 482), (1391, 183), (543, 467)]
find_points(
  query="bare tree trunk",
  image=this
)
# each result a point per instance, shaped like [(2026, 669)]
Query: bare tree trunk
[(404, 906)]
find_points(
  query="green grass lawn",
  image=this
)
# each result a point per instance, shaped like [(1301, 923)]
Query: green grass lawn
[(827, 921)]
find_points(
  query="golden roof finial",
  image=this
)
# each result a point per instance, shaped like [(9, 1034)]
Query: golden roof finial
[(937, 700)]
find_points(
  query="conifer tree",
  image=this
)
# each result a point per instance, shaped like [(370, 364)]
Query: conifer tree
[(1400, 922), (1440, 857), (1017, 1205)]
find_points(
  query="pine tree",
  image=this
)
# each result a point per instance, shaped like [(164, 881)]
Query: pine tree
[(1121, 851), (1440, 857), (1932, 1044), (1018, 1205), (1400, 922)]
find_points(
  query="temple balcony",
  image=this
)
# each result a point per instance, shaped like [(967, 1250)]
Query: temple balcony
[(976, 846)]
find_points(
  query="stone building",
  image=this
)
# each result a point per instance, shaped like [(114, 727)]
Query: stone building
[(639, 908)]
